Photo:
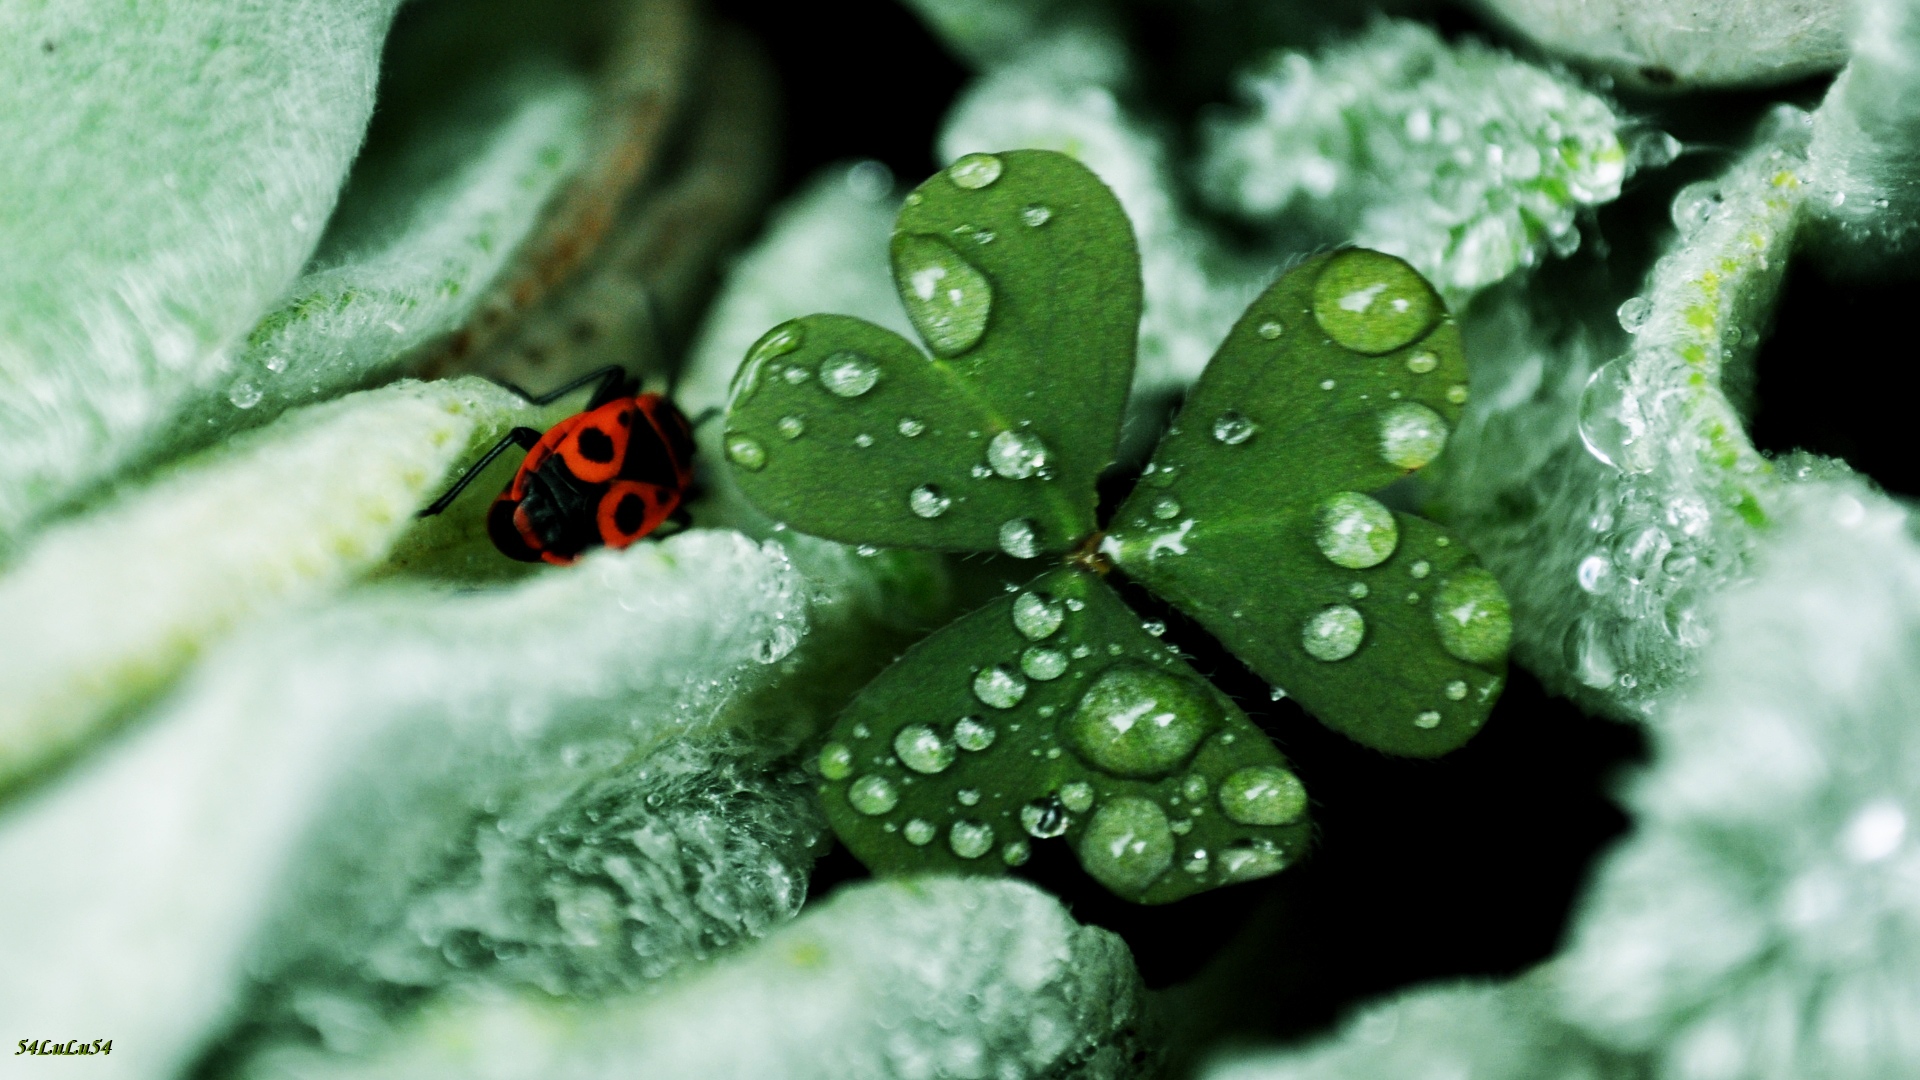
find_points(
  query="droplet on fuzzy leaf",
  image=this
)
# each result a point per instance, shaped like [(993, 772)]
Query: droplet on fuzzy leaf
[(1137, 720), (927, 501), (1037, 617), (746, 453), (1372, 303), (1019, 538), (873, 795), (975, 171), (1016, 455), (970, 839), (1263, 795), (1127, 845), (1411, 435), (1333, 633), (836, 761), (921, 749), (1471, 614), (947, 299), (1356, 531), (848, 374), (999, 686)]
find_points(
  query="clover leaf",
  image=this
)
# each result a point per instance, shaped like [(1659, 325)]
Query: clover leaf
[(1052, 713)]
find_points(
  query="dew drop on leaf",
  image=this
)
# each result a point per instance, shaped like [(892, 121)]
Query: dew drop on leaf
[(1372, 303), (1456, 690), (968, 796), (999, 686), (1471, 614), (975, 171), (1166, 509), (848, 374), (1037, 617), (836, 761), (1035, 215), (970, 733), (970, 839), (911, 428), (1016, 455), (1427, 720), (919, 832), (945, 297), (1194, 787), (746, 453), (1232, 429), (791, 426), (1356, 531), (1043, 664), (1044, 819), (921, 749), (873, 795), (1411, 435), (244, 395), (1420, 568), (1016, 853), (1263, 795), (1422, 362), (796, 375), (1252, 859), (927, 501), (1019, 538), (1333, 633), (1271, 330), (1140, 721), (1457, 393), (781, 341), (1127, 845), (1077, 796)]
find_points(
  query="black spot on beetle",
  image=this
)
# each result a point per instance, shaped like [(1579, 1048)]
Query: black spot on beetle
[(630, 514), (595, 446)]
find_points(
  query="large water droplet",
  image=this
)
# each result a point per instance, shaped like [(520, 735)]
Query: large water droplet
[(1333, 633), (1372, 303), (922, 749), (746, 453), (836, 761), (999, 686), (1472, 616), (972, 734), (1019, 538), (927, 501), (872, 795), (1633, 313), (919, 832), (1139, 720), (975, 171), (1251, 859), (1232, 429), (1613, 421), (1356, 531), (1127, 845), (1016, 455), (1043, 664), (970, 839), (1037, 617), (848, 374), (1263, 795), (947, 299), (1411, 435)]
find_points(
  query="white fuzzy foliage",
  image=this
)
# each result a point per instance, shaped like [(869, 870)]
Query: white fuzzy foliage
[(1866, 142), (916, 979), (1461, 159), (106, 608), (169, 169), (156, 861), (1663, 45), (989, 32)]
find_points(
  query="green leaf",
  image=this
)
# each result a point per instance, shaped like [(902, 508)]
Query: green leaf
[(1052, 712), (1342, 377), (1020, 272)]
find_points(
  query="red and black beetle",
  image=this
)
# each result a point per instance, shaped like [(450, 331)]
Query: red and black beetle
[(609, 475)]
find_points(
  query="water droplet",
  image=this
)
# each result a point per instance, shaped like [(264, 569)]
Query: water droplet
[(1427, 720), (1082, 651), (1140, 721), (1045, 818), (1035, 215), (1875, 831), (1584, 649), (1356, 531), (911, 428), (1127, 845), (244, 395), (971, 734), (1422, 362), (1327, 384), (1233, 429), (276, 363), (863, 440), (984, 236), (968, 796), (1037, 616), (848, 374), (1333, 633), (1166, 509), (1420, 568), (779, 341), (1472, 616), (975, 171), (1358, 590), (1196, 861), (945, 297), (1633, 313), (919, 832), (1252, 859), (746, 453), (1016, 455), (1695, 204), (1613, 424), (999, 686), (1593, 572), (1411, 435), (836, 761), (1372, 303), (1194, 787), (1019, 538), (1274, 693), (1263, 795), (873, 795), (1016, 853), (970, 839), (1043, 664), (1457, 393), (796, 375), (921, 749), (927, 501), (981, 472), (1271, 330), (1077, 796), (792, 426), (866, 551), (1456, 690)]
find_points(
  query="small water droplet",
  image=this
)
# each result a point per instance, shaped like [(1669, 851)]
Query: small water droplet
[(911, 428), (1037, 616), (746, 453), (866, 551), (1593, 572), (1127, 845), (1358, 590), (1016, 455), (1035, 215), (981, 472), (1271, 329), (276, 363), (796, 375), (1045, 818), (1274, 693), (1263, 795), (975, 171), (836, 761), (1019, 538), (919, 832), (1427, 720), (1166, 509), (1232, 429), (1411, 435), (1372, 303), (1356, 531), (848, 374), (1333, 633), (1613, 423), (984, 236), (1252, 859), (792, 426), (999, 686), (1420, 568), (969, 733), (1016, 853), (927, 501), (779, 341), (947, 299), (1457, 690), (1633, 313), (244, 395), (970, 839), (1471, 614), (1137, 720), (872, 795), (921, 749), (1194, 787), (1327, 384), (863, 440), (1457, 393), (1077, 796), (1422, 362), (1043, 664), (968, 796)]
